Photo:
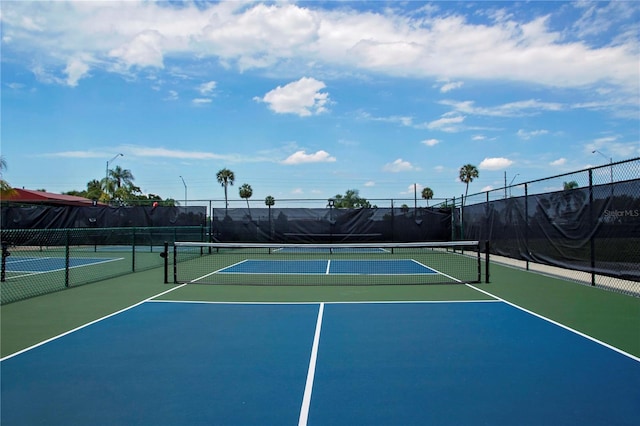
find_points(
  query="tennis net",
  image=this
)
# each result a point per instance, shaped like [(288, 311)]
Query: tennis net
[(329, 264)]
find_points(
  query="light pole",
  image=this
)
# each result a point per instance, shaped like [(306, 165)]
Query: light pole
[(510, 183), (185, 191), (610, 162), (106, 173)]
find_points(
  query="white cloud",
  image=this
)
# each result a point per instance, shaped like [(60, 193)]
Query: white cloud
[(511, 109), (402, 120), (369, 184), (172, 96), (558, 162), (448, 123), (417, 188), (447, 87), (523, 134), (430, 142), (398, 166), (76, 69), (301, 157), (77, 154), (498, 163), (613, 148), (207, 88), (201, 101), (427, 44), (144, 151), (302, 97), (144, 50)]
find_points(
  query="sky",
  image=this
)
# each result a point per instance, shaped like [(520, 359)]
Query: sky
[(306, 100)]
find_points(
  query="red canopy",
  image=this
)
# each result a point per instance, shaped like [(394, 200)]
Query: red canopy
[(40, 197)]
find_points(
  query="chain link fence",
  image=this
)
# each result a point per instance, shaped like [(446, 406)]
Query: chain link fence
[(584, 225), (40, 261)]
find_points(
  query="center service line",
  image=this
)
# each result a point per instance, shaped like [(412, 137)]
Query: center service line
[(306, 399)]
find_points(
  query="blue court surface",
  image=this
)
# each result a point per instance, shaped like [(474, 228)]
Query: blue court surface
[(429, 363), (332, 249), (50, 264), (360, 267)]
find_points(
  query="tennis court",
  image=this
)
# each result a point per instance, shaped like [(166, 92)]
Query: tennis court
[(522, 349), (446, 363), (327, 264), (39, 265)]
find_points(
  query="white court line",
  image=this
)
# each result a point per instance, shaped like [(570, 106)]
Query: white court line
[(354, 302), (29, 259), (586, 336), (218, 271), (328, 267), (437, 272), (31, 273), (306, 399)]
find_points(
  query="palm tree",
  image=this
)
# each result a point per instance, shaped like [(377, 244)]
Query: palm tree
[(225, 178), (121, 177), (468, 173), (570, 185), (427, 194), (94, 189), (246, 192), (5, 188), (270, 201), (119, 184)]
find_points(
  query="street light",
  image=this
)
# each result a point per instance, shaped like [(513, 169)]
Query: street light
[(508, 186), (514, 178), (185, 191), (610, 162), (106, 174)]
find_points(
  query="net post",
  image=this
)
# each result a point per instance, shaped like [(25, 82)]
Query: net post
[(5, 254), (67, 256), (175, 264), (165, 256), (487, 247), (478, 250), (133, 250)]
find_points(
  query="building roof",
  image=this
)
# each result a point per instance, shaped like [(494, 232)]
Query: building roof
[(29, 196)]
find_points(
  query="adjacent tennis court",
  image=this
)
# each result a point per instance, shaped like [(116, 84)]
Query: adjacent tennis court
[(445, 363), (39, 265)]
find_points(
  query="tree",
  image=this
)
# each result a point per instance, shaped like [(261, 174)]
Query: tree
[(468, 173), (118, 185), (351, 200), (122, 177), (246, 192), (427, 194), (225, 178), (94, 190), (270, 201), (5, 188), (570, 185)]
